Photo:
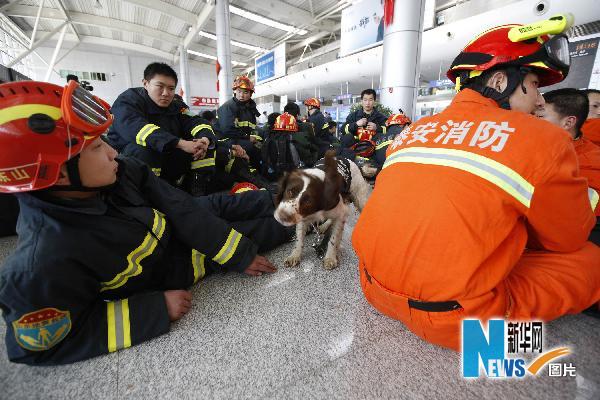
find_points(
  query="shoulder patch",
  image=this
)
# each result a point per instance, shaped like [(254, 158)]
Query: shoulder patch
[(42, 329)]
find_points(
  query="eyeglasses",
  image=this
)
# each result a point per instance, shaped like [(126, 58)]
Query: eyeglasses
[(84, 111)]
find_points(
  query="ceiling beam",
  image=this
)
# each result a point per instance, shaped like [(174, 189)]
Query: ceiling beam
[(94, 20), (313, 38), (200, 22)]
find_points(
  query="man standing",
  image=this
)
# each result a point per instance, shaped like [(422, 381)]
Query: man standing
[(322, 137), (480, 211)]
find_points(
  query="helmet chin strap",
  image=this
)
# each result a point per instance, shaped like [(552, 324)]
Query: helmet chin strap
[(515, 77)]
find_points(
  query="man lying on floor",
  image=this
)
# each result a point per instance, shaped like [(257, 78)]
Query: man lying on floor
[(106, 249)]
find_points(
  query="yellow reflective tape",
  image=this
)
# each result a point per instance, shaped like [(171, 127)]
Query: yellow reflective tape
[(229, 164), (593, 196), (135, 258), (110, 319), (143, 133), (384, 129), (204, 163), (257, 137), (244, 124), (198, 128), (126, 324), (156, 171), (198, 265), (228, 248), (27, 110), (383, 144), (347, 129), (492, 171), (325, 126)]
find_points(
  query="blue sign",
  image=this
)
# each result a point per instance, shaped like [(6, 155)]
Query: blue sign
[(441, 83), (265, 67)]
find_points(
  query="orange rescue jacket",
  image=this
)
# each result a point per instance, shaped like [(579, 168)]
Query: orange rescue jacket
[(463, 193), (591, 130), (588, 155)]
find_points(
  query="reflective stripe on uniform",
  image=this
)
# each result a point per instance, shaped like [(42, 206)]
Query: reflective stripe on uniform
[(204, 163), (27, 110), (244, 124), (143, 133), (347, 129), (383, 144), (156, 171), (229, 164), (492, 171), (257, 137), (119, 327), (198, 128), (593, 195), (325, 126), (228, 248), (134, 258), (384, 128), (198, 265)]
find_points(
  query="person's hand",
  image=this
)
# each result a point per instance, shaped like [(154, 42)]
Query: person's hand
[(189, 146), (238, 151), (372, 126), (202, 148), (259, 265), (178, 302), (361, 122)]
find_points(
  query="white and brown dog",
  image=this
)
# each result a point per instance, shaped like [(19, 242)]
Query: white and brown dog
[(319, 194)]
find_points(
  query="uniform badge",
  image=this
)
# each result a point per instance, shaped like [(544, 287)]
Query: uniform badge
[(42, 329)]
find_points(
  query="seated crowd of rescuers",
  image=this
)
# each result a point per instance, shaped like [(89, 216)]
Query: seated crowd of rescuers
[(108, 246)]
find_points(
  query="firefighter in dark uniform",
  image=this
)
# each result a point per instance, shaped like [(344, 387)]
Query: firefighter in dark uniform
[(362, 127), (154, 125), (236, 120), (107, 249), (315, 116), (395, 124)]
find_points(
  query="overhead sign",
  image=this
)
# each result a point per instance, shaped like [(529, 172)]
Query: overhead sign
[(270, 65), (362, 26), (204, 101)]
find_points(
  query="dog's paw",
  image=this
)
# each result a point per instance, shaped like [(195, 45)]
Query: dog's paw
[(330, 262), (292, 261)]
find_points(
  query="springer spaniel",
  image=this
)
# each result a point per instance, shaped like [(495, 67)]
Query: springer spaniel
[(317, 194)]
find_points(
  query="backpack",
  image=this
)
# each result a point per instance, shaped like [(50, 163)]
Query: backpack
[(304, 141), (279, 155)]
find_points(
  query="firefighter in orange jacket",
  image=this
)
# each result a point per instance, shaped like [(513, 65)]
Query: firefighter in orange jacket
[(489, 216), (568, 108)]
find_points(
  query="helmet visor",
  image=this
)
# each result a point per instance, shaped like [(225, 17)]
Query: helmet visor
[(557, 49), (85, 111)]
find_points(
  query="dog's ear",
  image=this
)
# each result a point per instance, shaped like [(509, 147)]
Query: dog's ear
[(281, 185), (333, 183)]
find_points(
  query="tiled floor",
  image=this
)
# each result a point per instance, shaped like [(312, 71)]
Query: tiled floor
[(300, 333)]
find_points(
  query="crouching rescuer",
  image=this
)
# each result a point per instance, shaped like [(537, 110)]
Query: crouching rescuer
[(490, 216)]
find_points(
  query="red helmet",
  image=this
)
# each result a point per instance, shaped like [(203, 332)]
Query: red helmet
[(243, 82), (242, 187), (286, 122), (548, 57), (42, 126), (313, 101), (364, 148), (398, 119)]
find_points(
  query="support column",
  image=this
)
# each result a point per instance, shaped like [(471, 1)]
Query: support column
[(184, 74), (56, 51), (402, 57), (223, 50)]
